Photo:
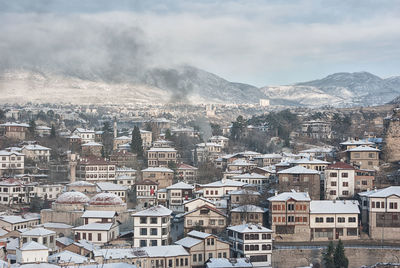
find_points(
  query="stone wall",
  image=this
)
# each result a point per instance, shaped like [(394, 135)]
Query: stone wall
[(289, 258)]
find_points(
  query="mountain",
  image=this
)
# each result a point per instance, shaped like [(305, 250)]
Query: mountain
[(157, 85), (339, 89)]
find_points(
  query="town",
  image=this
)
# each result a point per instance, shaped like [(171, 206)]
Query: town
[(213, 186)]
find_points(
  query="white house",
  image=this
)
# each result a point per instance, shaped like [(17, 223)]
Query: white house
[(252, 241), (32, 252), (97, 233), (37, 152), (339, 181), (11, 162), (152, 227)]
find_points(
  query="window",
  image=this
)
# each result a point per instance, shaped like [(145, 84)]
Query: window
[(333, 183), (212, 222), (143, 243), (345, 192), (99, 237), (373, 204), (345, 184), (143, 220), (221, 222), (90, 237), (189, 222), (290, 207), (290, 218), (332, 192), (364, 182), (153, 231), (143, 231), (200, 257), (201, 222), (153, 243), (210, 255), (330, 219), (345, 175), (319, 219), (352, 219), (333, 174), (341, 219), (392, 205)]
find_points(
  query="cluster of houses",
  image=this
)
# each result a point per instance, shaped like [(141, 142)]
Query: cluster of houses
[(161, 216)]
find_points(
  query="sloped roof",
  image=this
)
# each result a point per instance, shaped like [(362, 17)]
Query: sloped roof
[(108, 186), (363, 148), (154, 211), (227, 263), (32, 245), (37, 232), (298, 170), (98, 214), (249, 208), (180, 185), (166, 251), (188, 242), (199, 234), (223, 182), (95, 226), (249, 228), (385, 192), (334, 207), (340, 165), (298, 196), (67, 257)]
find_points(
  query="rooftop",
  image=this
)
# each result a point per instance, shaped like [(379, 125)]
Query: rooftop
[(363, 148), (249, 228), (95, 226), (37, 232), (154, 211), (106, 214), (32, 245), (180, 185), (334, 207), (298, 170), (298, 196), (340, 165), (188, 242)]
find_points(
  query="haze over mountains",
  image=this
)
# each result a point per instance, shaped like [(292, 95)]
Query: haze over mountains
[(188, 84)]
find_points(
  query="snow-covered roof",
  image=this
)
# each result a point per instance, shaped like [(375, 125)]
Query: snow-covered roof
[(159, 211), (34, 147), (249, 208), (92, 143), (334, 207), (3, 232), (65, 240), (107, 199), (157, 169), (95, 226), (380, 193), (298, 196), (188, 242), (37, 232), (198, 198), (8, 153), (157, 149), (356, 142), (99, 214), (227, 263), (268, 156), (186, 167), (16, 219), (250, 176), (298, 170), (218, 138), (241, 162), (72, 198), (198, 234), (165, 251), (32, 245), (80, 183), (43, 128), (67, 257), (226, 183), (56, 225), (318, 150), (180, 185), (13, 124), (311, 161), (244, 192), (363, 148), (108, 186), (249, 228)]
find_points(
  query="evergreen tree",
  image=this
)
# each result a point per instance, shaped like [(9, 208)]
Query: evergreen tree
[(32, 127), (136, 144), (328, 256), (52, 132), (168, 135), (339, 258)]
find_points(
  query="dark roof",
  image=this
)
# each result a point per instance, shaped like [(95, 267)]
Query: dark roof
[(146, 182), (340, 165)]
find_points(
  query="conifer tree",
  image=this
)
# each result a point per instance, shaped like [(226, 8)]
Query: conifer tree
[(136, 143), (328, 256), (52, 132), (339, 257)]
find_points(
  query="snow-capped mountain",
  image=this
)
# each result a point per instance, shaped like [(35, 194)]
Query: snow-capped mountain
[(186, 84), (339, 89)]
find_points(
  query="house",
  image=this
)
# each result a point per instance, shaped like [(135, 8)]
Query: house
[(11, 163), (289, 214), (193, 204), (13, 191), (339, 181), (161, 157), (252, 178), (311, 163), (120, 141), (242, 165), (147, 138), (300, 179), (354, 143), (334, 219), (152, 227), (32, 252), (220, 140), (44, 191), (123, 159), (95, 169), (364, 180), (243, 197), (15, 130), (43, 131), (97, 233), (12, 222), (161, 175), (86, 135), (267, 159), (203, 246), (248, 214), (381, 213), (108, 187), (317, 129), (146, 193), (177, 194), (101, 216), (36, 152), (187, 173), (364, 157), (40, 235), (251, 241), (217, 190), (92, 149), (68, 258), (206, 219)]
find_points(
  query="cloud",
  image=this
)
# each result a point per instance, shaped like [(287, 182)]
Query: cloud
[(258, 42)]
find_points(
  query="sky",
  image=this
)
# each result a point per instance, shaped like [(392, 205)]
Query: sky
[(257, 42)]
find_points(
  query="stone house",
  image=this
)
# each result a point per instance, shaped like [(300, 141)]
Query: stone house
[(206, 219)]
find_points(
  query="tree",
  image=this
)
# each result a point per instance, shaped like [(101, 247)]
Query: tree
[(52, 132), (136, 144), (168, 135), (107, 127), (339, 257), (32, 127), (237, 128), (328, 256), (216, 129)]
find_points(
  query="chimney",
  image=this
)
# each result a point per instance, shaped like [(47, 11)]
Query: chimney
[(115, 128)]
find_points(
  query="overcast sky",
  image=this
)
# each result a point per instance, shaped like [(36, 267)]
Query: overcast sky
[(257, 42)]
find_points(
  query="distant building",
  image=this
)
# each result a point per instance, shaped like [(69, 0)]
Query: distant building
[(339, 181), (187, 173), (161, 157), (15, 130), (11, 162), (161, 175), (364, 157)]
